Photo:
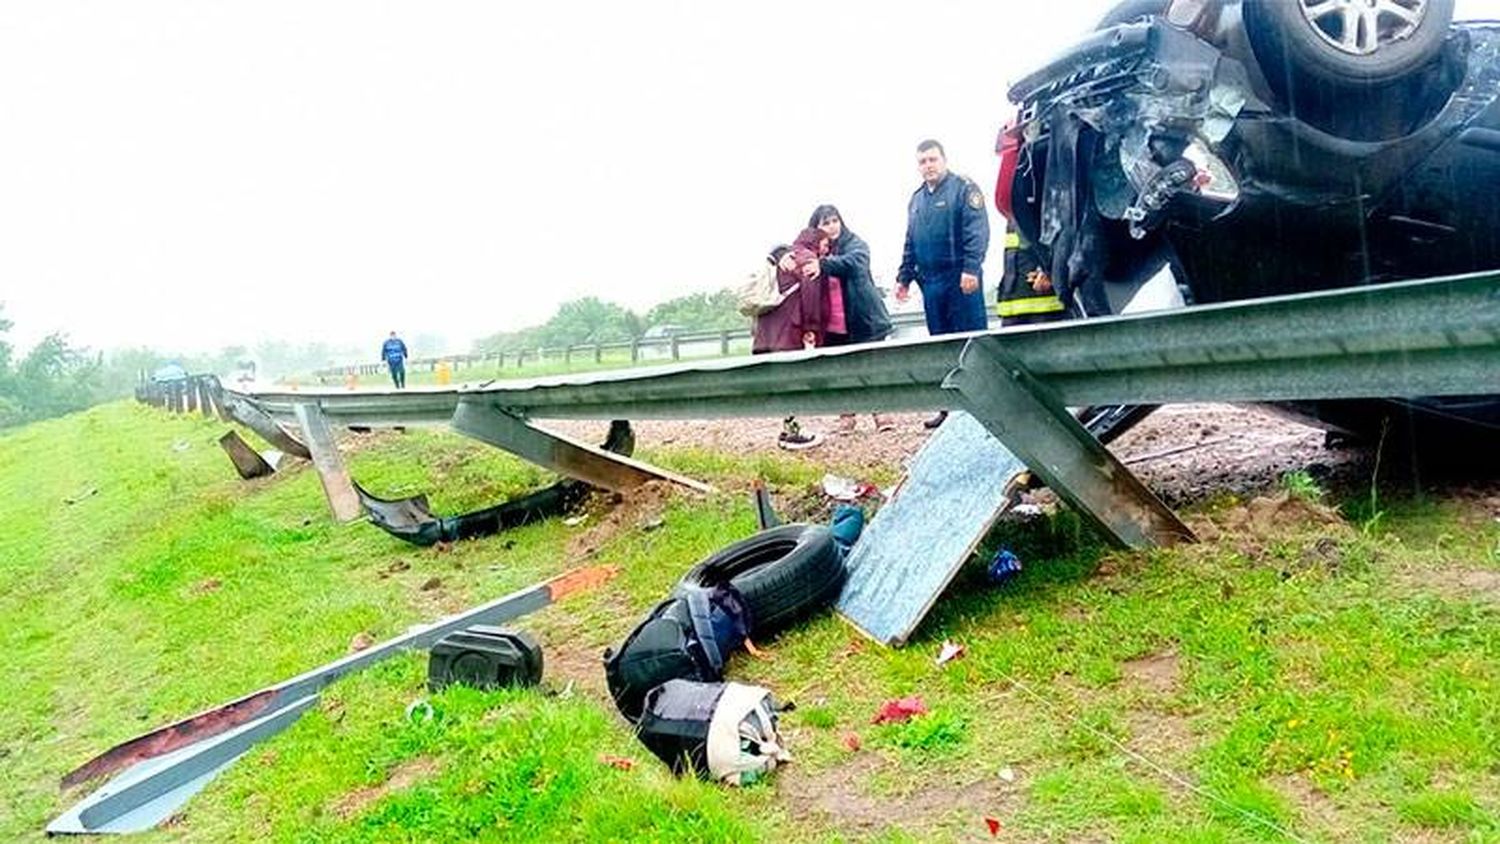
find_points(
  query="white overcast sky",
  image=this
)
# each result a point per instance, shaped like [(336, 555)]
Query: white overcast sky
[(188, 175)]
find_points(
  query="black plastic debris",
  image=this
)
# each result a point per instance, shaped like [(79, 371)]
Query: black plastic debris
[(412, 518), (485, 657), (688, 636), (724, 732)]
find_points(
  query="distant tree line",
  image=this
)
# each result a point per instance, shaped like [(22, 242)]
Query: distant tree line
[(52, 379), (55, 377), (592, 320)]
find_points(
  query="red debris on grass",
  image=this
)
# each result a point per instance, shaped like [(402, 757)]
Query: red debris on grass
[(851, 742), (620, 762), (993, 824), (900, 711)]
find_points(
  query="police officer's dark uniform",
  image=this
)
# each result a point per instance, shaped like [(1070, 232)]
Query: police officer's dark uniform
[(1020, 302), (947, 234)]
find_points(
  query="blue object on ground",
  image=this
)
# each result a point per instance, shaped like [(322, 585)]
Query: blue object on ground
[(1004, 566), (848, 523)]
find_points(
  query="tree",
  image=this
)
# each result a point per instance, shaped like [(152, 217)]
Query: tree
[(699, 312)]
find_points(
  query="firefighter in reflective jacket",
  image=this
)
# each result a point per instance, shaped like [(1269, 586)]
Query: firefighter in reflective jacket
[(1026, 294)]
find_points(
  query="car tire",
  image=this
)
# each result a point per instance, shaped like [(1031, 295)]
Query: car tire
[(1292, 49), (784, 574)]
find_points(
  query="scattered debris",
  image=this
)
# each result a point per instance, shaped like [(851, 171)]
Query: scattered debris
[(485, 657), (431, 583), (181, 445), (361, 641), (575, 521), (851, 742), (420, 711), (653, 524), (949, 652), (88, 493), (900, 710), (209, 585), (993, 824), (848, 489), (725, 732), (1007, 774), (618, 762), (1003, 566)]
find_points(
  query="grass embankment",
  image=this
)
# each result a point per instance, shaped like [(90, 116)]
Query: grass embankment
[(1334, 678)]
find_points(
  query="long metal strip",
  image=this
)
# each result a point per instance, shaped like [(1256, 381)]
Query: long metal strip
[(1433, 337), (259, 704)]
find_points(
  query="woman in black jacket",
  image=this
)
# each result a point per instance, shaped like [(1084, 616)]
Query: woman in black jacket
[(865, 316), (849, 261)]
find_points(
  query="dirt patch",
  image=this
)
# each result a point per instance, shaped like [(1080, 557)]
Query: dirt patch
[(1461, 584), (1184, 453), (607, 514), (1159, 735), (1314, 808), (1159, 673), (840, 797), (402, 777)]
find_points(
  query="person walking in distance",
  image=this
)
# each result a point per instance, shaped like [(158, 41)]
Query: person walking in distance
[(393, 352), (947, 236)]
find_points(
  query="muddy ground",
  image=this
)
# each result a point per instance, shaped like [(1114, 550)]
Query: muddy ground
[(1185, 453)]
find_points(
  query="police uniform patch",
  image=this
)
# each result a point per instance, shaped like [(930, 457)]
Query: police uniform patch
[(976, 199)]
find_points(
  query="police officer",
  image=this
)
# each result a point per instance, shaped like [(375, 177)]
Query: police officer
[(947, 235), (1026, 293)]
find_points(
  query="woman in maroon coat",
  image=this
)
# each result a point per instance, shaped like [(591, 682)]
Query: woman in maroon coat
[(801, 320)]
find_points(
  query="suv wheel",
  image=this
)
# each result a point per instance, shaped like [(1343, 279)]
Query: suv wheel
[(1352, 43)]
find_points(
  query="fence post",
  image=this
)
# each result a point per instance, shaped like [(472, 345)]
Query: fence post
[(724, 343), (676, 353), (520, 358), (567, 355), (635, 349), (598, 353)]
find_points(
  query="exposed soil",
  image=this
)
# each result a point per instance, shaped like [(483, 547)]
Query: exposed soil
[(402, 777), (1185, 453), (840, 797), (1158, 673)]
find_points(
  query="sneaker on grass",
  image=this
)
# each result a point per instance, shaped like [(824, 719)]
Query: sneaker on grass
[(793, 438), (799, 441)]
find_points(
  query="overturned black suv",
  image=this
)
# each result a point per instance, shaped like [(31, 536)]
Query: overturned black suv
[(1263, 147)]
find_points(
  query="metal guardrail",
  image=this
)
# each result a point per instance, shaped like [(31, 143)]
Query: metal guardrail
[(700, 344), (1432, 337), (193, 393)]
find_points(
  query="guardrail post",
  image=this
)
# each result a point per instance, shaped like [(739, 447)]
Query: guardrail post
[(567, 355), (676, 352), (635, 349), (598, 353), (1023, 413), (325, 456), (724, 343), (618, 473)]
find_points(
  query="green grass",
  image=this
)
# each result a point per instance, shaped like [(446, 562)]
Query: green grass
[(1336, 681)]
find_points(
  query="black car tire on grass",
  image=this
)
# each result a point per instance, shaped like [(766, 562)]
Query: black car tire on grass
[(784, 574), (1287, 44)]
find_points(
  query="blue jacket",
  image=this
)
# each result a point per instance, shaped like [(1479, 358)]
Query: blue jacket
[(947, 232), (393, 351)]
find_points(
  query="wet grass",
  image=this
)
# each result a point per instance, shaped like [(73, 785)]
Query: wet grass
[(1333, 679)]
